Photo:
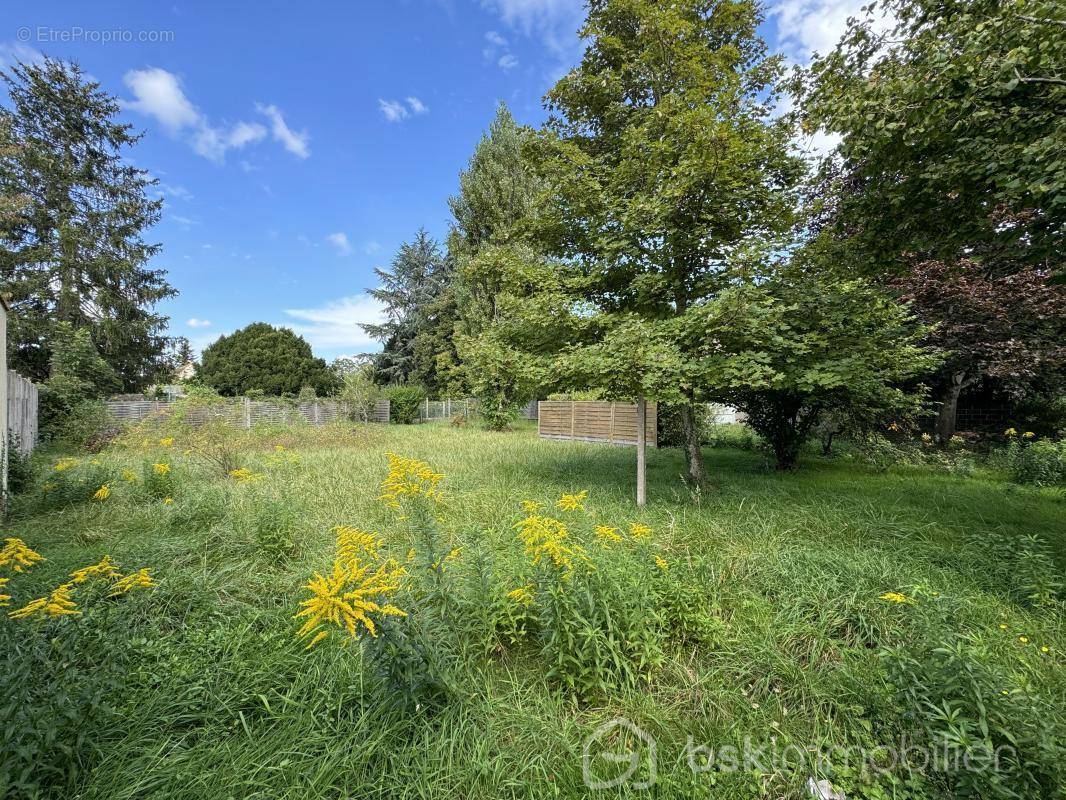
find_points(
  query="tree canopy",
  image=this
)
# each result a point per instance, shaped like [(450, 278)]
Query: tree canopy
[(260, 357), (74, 214)]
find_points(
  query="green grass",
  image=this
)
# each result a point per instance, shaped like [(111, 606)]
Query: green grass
[(210, 694)]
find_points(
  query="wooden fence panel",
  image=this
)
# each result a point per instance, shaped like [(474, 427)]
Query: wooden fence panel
[(22, 399), (595, 421)]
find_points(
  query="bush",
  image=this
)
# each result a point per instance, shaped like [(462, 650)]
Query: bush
[(1041, 462), (19, 468), (671, 434), (85, 427), (405, 403)]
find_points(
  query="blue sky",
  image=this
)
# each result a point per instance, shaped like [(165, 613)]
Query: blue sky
[(298, 144)]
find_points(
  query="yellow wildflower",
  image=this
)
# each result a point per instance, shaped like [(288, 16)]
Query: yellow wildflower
[(278, 448), (661, 563), (546, 540), (167, 441), (530, 506), (353, 544), (1045, 649), (17, 555), (140, 579), (441, 562), (1028, 435), (104, 568), (161, 468), (896, 597), (64, 464), (639, 531), (409, 477), (102, 493), (411, 554), (58, 604), (523, 595), (1010, 432), (4, 597), (572, 502), (607, 535), (1023, 639), (1002, 627), (168, 501), (245, 475), (129, 476), (893, 426), (348, 597)]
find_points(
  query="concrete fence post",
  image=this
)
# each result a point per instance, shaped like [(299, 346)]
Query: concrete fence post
[(247, 407)]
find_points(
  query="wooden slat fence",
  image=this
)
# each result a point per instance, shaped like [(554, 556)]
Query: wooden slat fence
[(595, 421), (243, 412), (22, 397)]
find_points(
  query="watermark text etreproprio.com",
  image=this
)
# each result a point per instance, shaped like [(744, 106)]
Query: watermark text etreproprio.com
[(619, 753), (42, 34)]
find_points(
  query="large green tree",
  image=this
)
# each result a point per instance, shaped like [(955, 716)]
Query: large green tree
[(412, 291), (665, 166), (953, 132), (260, 357), (491, 246), (74, 214)]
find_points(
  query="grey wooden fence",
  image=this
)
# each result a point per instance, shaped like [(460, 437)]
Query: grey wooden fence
[(22, 399), (244, 412)]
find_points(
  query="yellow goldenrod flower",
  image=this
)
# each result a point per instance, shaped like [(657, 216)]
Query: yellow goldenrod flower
[(245, 475), (1045, 649), (1023, 639), (546, 540), (161, 468), (348, 597), (104, 568), (523, 595), (167, 441), (572, 502), (353, 544), (1004, 692), (896, 597), (1002, 627), (4, 598), (607, 535), (1010, 432), (639, 531), (64, 464), (17, 555), (129, 476), (279, 448), (530, 506), (411, 554), (168, 501), (1028, 435), (409, 477), (661, 563), (440, 563), (102, 493), (58, 604), (140, 579)]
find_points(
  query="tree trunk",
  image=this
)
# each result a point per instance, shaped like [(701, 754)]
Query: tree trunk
[(697, 473), (642, 437), (945, 421)]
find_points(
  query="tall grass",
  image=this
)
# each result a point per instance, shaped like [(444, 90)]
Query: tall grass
[(769, 619)]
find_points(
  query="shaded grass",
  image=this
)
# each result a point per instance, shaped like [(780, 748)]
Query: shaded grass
[(224, 702)]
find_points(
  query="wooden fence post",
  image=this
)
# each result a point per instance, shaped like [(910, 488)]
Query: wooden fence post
[(247, 412)]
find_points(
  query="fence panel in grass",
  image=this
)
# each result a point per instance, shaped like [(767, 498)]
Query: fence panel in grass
[(595, 421), (243, 412), (22, 398)]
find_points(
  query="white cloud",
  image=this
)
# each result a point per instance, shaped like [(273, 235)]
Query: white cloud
[(396, 111), (497, 50), (159, 94), (371, 247), (194, 322), (805, 27), (554, 22), (183, 221), (340, 242), (507, 61), (13, 53), (293, 141), (417, 106), (169, 191), (335, 325)]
